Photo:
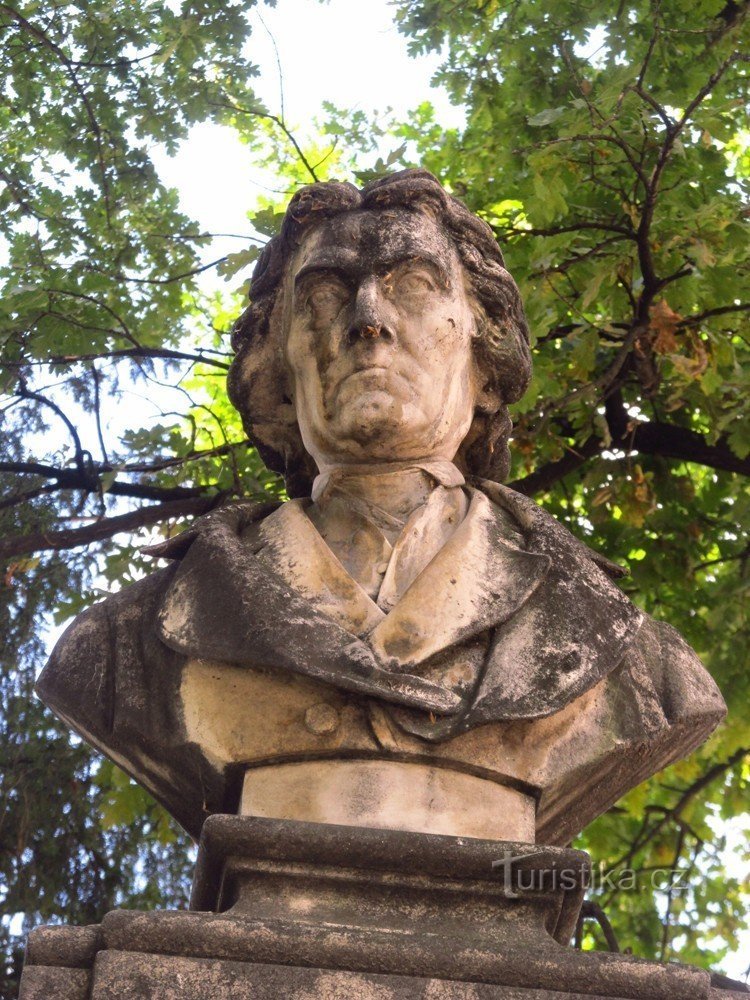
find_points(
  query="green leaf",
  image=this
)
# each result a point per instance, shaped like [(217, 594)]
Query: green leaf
[(739, 438), (235, 262), (546, 117), (106, 479)]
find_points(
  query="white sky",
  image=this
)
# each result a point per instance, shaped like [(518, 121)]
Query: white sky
[(345, 51)]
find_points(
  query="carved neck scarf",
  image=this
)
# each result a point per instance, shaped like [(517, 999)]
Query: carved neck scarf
[(441, 470), (384, 562), (377, 546)]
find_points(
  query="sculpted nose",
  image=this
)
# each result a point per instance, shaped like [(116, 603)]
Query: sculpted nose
[(368, 322)]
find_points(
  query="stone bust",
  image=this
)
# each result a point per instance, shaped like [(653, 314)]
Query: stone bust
[(405, 642)]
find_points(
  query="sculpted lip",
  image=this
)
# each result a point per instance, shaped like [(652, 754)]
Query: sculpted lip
[(374, 378), (369, 369), (373, 370)]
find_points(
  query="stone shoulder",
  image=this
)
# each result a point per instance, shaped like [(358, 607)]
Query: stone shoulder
[(687, 690), (78, 681), (532, 517), (668, 666), (238, 516), (119, 633)]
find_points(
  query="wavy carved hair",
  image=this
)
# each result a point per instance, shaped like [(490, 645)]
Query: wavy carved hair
[(259, 381)]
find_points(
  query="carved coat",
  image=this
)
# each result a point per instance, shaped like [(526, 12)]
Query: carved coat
[(531, 667)]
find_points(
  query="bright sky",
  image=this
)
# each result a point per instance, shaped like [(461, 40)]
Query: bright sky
[(345, 51)]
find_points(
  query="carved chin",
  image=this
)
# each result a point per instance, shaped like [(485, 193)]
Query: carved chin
[(372, 416)]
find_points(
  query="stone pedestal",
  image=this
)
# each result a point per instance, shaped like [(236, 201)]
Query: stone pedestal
[(304, 910)]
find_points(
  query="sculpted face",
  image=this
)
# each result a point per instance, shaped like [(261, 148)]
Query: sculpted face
[(379, 330)]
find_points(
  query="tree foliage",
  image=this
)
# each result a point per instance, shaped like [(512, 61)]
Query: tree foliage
[(609, 148), (98, 311)]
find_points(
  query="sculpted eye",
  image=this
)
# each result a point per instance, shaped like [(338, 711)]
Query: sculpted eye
[(413, 282), (327, 296)]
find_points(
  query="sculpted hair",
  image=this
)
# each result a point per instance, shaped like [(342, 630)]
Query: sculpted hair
[(259, 383)]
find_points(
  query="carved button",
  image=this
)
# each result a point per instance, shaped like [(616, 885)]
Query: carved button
[(321, 719)]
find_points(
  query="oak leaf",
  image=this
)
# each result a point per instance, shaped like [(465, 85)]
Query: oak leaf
[(664, 322)]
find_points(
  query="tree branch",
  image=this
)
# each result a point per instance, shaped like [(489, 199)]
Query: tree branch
[(710, 313), (592, 911), (576, 258), (80, 453), (652, 438), (542, 479), (145, 517), (89, 482), (669, 441), (135, 353), (172, 277), (673, 131), (79, 89), (685, 798), (277, 120), (607, 227)]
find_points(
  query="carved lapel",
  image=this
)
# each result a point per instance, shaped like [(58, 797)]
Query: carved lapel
[(220, 601), (477, 580), (550, 643), (293, 548), (224, 604), (567, 637)]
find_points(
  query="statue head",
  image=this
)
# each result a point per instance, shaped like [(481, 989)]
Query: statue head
[(383, 326)]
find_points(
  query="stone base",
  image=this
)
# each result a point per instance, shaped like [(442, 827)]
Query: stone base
[(304, 911), (135, 976)]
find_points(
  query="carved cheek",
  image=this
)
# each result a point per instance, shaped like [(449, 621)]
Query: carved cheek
[(326, 316), (294, 348), (444, 334)]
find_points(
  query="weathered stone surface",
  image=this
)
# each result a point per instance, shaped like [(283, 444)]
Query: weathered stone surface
[(194, 722), (391, 795), (402, 260), (318, 910), (395, 952), (723, 985), (378, 876), (306, 907), (74, 947), (131, 976), (40, 982), (393, 904), (403, 607)]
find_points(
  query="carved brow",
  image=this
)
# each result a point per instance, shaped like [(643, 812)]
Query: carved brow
[(429, 263), (349, 275), (323, 270)]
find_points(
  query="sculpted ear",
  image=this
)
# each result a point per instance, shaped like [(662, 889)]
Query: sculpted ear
[(260, 387), (484, 451), (488, 392)]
